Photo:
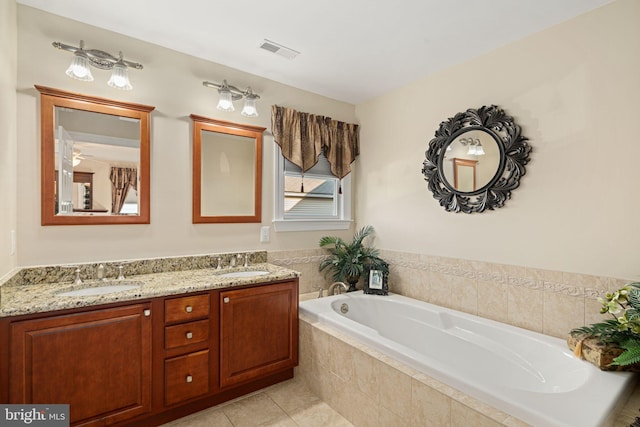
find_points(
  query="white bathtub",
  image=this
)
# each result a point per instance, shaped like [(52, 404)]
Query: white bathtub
[(528, 375)]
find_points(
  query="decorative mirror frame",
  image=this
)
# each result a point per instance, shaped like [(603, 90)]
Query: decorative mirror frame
[(514, 155), (50, 99), (201, 123)]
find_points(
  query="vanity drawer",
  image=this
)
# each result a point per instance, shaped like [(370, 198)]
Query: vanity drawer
[(186, 334), (186, 377), (186, 308)]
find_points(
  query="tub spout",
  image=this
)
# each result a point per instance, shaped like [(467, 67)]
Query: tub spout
[(340, 285)]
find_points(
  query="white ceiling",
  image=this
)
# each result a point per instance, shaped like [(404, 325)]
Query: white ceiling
[(351, 50)]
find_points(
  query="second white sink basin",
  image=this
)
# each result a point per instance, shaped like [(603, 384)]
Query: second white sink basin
[(244, 273), (98, 290)]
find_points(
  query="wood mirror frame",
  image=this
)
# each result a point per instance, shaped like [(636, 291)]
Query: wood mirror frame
[(52, 98), (254, 133)]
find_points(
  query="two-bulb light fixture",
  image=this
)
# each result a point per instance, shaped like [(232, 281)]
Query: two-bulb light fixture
[(84, 58), (229, 93), (475, 146)]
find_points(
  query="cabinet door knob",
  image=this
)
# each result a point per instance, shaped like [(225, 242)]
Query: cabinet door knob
[(188, 309), (189, 378), (189, 335), (147, 313), (226, 300)]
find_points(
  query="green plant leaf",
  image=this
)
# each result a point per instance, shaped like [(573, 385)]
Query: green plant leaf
[(631, 354), (634, 298)]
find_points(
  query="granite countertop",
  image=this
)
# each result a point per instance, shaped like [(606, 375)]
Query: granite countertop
[(43, 297)]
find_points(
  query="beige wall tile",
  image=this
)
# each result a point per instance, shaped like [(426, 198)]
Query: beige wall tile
[(465, 295), (387, 418), (441, 290), (429, 407), (366, 374), (561, 313), (462, 416), (395, 389), (524, 308), (493, 299), (341, 359)]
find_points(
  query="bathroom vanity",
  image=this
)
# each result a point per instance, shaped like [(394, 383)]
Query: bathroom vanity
[(150, 360)]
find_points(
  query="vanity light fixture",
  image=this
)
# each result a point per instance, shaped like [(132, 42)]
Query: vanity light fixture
[(229, 93), (82, 59), (475, 146)]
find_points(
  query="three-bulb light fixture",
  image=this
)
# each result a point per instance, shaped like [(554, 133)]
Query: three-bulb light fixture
[(229, 93), (84, 58), (475, 146)]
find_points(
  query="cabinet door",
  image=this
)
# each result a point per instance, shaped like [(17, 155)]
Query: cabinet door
[(258, 331), (99, 362)]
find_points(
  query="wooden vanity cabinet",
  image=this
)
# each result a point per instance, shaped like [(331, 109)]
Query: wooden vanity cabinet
[(147, 363), (258, 331), (98, 361)]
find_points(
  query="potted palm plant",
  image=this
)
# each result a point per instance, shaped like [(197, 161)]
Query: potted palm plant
[(347, 261)]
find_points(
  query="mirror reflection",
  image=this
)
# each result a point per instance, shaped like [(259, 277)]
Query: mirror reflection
[(471, 161), (95, 160), (227, 171)]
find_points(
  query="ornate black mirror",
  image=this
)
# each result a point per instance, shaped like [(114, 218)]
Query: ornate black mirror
[(475, 160)]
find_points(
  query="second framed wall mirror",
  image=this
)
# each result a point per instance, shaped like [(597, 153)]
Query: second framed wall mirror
[(227, 171)]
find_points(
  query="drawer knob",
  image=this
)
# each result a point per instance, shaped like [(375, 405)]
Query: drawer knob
[(226, 300), (188, 309), (189, 378), (189, 335), (147, 313)]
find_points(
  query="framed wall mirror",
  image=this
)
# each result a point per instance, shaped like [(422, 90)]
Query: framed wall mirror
[(94, 160), (475, 160), (227, 171)]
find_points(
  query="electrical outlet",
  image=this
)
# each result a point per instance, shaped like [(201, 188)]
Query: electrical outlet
[(264, 234)]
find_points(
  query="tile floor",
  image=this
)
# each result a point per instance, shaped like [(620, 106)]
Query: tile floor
[(288, 404)]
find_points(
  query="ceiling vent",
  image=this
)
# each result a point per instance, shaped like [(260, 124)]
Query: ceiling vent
[(278, 49)]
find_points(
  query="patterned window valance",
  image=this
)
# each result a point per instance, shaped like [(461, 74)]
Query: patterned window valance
[(302, 137)]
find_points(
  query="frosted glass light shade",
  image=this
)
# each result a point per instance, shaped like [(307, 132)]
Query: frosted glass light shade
[(120, 77), (249, 109), (225, 103), (79, 68), (479, 150)]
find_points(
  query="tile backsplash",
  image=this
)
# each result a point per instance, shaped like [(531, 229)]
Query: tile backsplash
[(550, 302)]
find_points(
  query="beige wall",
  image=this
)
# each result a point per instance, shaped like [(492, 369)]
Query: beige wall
[(574, 90), (171, 82), (8, 142)]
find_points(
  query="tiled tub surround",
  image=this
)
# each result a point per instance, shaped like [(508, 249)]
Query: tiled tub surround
[(529, 375), (545, 301), (34, 290)]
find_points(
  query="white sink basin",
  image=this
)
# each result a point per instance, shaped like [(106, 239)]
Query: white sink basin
[(244, 273), (98, 290)]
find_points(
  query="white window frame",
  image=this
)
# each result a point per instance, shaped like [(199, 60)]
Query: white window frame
[(342, 221)]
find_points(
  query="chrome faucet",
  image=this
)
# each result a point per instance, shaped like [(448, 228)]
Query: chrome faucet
[(246, 260), (339, 285), (219, 263), (100, 275), (232, 261)]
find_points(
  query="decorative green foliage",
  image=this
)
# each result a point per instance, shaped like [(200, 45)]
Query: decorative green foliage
[(631, 354), (624, 328), (347, 261)]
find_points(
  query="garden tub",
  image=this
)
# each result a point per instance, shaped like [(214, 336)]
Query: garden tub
[(531, 376)]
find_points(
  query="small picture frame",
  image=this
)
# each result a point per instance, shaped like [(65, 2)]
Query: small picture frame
[(376, 281)]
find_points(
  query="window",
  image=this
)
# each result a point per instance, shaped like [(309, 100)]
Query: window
[(316, 201)]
